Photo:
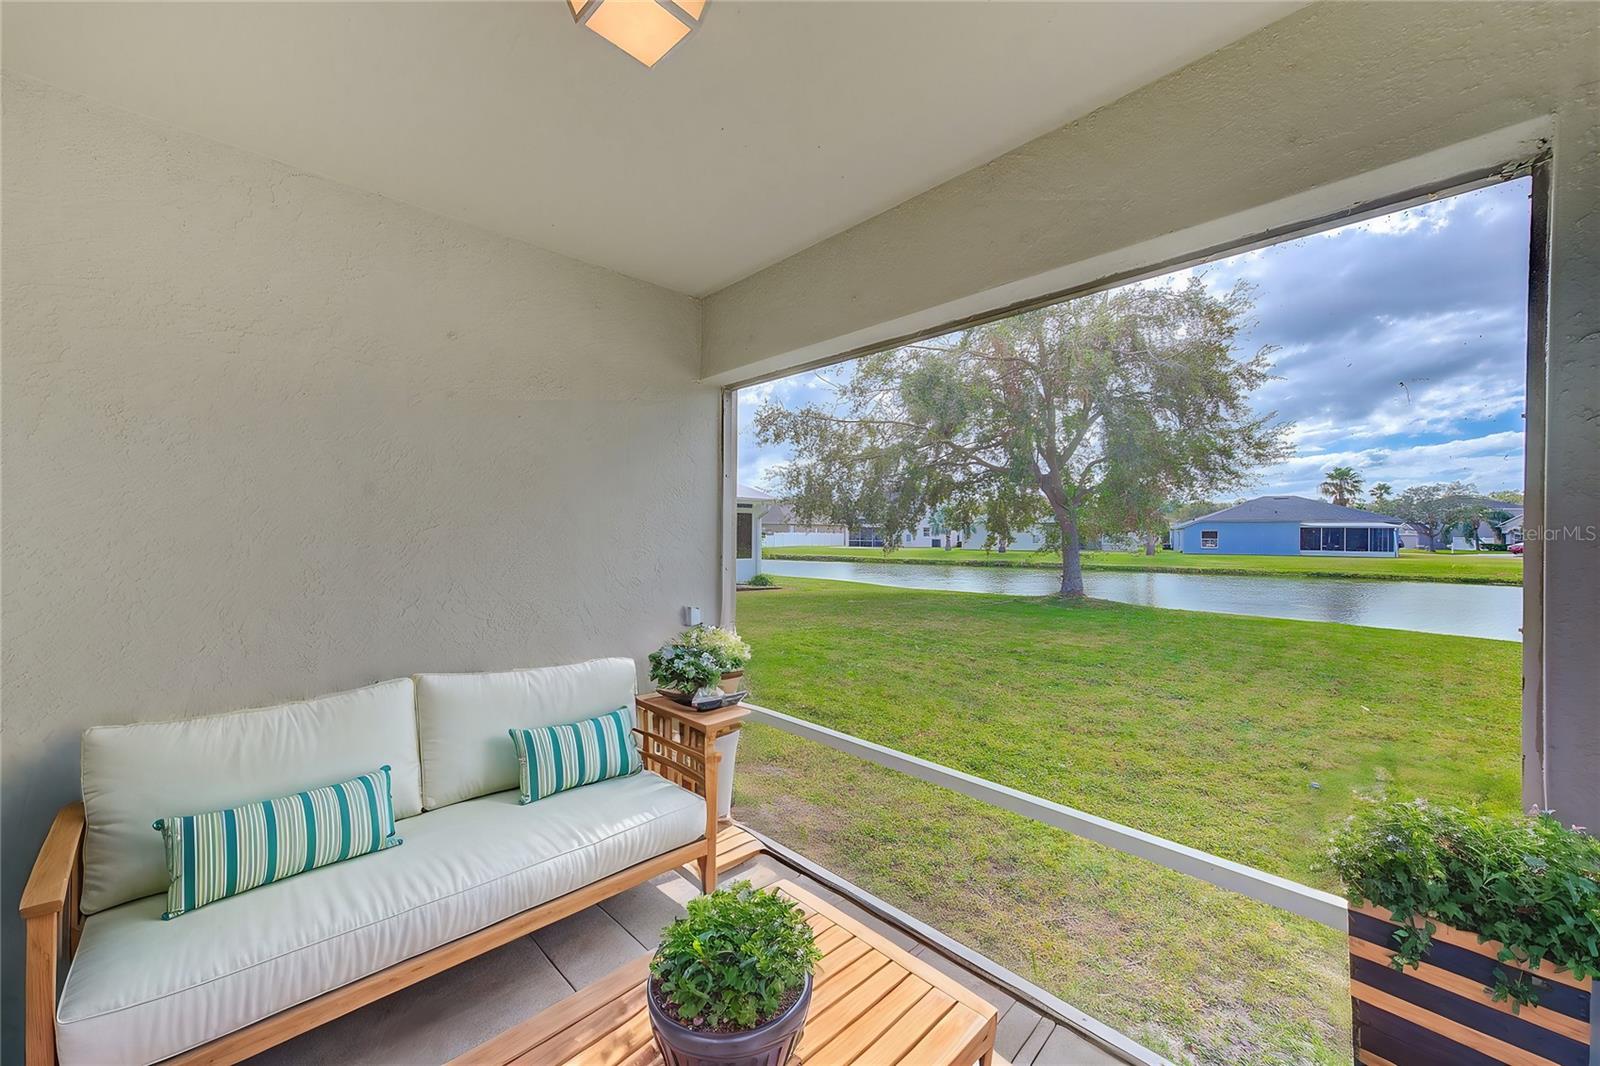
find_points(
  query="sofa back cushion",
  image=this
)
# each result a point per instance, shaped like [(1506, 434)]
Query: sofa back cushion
[(463, 720), (135, 774)]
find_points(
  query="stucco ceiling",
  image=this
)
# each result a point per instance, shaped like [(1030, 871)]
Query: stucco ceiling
[(775, 125)]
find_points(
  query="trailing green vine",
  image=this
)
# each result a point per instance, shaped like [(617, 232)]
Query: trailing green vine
[(1527, 881)]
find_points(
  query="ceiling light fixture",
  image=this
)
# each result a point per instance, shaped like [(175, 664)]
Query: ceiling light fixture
[(645, 29)]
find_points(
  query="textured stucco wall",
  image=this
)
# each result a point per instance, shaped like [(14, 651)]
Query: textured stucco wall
[(1242, 140), (267, 436), (1244, 538)]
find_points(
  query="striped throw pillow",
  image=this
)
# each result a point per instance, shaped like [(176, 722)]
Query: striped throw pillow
[(553, 758), (223, 853)]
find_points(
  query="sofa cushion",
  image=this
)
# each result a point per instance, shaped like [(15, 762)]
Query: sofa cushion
[(463, 719), (140, 989), (217, 854), (134, 774), (554, 758)]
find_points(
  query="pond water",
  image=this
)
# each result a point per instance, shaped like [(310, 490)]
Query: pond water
[(1491, 611)]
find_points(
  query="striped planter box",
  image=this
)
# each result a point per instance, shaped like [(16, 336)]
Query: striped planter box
[(1440, 1014)]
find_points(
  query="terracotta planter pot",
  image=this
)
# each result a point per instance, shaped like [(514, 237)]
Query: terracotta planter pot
[(1440, 1012), (767, 1045)]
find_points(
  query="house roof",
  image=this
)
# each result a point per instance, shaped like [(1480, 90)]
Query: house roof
[(1290, 509), (749, 494)]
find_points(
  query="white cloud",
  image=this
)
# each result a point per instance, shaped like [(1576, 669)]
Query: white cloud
[(1493, 461)]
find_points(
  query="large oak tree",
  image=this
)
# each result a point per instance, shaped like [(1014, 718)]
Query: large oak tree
[(1085, 416)]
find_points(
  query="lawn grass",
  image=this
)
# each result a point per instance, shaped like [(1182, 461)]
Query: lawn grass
[(1468, 568), (1246, 737)]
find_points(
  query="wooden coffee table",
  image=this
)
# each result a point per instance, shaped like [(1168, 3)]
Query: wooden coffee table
[(871, 1002)]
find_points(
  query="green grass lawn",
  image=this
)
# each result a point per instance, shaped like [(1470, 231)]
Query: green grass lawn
[(1246, 737), (1471, 568)]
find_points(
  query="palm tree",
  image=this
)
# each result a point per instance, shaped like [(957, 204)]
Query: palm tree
[(1342, 486), (1381, 494)]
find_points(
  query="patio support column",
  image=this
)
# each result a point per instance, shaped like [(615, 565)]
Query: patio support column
[(1561, 756), (729, 496)]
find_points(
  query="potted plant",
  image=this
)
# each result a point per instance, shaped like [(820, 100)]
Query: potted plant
[(731, 982), (703, 660), (1471, 935), (699, 662)]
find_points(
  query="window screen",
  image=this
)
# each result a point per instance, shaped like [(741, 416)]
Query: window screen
[(1208, 538), (744, 535), (1311, 539), (1355, 540)]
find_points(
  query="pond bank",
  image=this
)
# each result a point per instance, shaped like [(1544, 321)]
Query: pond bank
[(1489, 612), (1466, 569)]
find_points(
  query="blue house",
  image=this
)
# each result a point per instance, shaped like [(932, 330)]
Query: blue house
[(1288, 525)]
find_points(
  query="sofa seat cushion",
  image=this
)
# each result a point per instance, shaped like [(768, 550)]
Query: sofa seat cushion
[(141, 989)]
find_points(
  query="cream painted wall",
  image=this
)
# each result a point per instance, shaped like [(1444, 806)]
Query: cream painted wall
[(1296, 120), (267, 436)]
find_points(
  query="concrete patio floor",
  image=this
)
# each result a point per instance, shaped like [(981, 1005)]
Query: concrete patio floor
[(451, 1013)]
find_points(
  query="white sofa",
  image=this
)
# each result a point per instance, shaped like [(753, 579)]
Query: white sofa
[(474, 864)]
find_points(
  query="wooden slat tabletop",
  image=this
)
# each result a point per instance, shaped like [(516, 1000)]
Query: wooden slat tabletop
[(871, 1002)]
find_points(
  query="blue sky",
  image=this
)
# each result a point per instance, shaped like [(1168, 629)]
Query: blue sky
[(1401, 347)]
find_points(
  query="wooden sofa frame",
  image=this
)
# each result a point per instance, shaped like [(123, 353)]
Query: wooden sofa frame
[(673, 745)]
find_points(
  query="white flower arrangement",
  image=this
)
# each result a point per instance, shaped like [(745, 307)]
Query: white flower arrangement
[(697, 658)]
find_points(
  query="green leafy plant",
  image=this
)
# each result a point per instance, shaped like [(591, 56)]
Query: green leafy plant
[(1527, 881), (761, 581), (736, 961), (697, 658)]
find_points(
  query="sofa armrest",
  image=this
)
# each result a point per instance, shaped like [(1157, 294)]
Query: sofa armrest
[(55, 871), (675, 746), (49, 908), (680, 745)]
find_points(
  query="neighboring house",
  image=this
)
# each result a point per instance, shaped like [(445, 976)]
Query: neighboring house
[(1288, 525), (1511, 529), (1506, 531), (779, 529), (864, 537), (931, 533), (1024, 540), (1414, 536), (753, 505)]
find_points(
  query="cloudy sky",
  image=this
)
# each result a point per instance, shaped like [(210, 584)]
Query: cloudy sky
[(1401, 347)]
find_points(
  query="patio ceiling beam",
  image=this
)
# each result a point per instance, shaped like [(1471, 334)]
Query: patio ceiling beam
[(1292, 896)]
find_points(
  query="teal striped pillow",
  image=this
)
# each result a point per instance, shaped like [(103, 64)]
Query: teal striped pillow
[(223, 853), (558, 757)]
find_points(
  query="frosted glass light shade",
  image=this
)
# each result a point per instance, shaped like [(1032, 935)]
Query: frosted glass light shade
[(645, 29)]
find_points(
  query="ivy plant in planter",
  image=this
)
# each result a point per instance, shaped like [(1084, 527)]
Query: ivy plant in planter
[(731, 982), (1471, 935), (698, 660)]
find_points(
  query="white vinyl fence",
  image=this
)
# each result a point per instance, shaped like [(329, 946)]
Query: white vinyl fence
[(796, 540)]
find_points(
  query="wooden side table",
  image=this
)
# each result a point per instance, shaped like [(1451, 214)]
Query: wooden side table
[(871, 1002), (675, 733)]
